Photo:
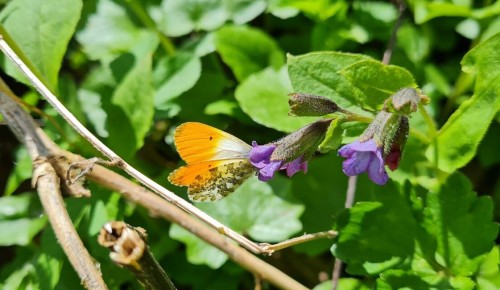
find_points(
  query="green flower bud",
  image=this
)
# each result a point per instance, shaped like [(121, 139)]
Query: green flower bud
[(405, 101), (302, 142), (311, 105), (389, 131)]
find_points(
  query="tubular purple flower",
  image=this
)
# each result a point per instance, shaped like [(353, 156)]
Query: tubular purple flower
[(364, 156), (260, 158)]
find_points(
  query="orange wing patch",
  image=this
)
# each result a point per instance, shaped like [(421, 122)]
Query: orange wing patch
[(197, 142), (212, 180), (217, 162)]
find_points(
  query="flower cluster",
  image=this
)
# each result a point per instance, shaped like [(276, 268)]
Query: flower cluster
[(380, 144)]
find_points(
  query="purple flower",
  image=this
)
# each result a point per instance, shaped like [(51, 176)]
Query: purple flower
[(364, 156), (260, 157)]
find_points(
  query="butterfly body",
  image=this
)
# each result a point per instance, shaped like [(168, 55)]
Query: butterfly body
[(217, 162)]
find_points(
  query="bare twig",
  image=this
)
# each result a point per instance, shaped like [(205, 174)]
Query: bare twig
[(349, 200), (298, 240), (392, 41), (129, 250), (155, 187), (47, 183)]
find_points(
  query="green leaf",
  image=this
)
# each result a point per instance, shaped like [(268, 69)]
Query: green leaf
[(462, 225), (243, 11), (198, 252), (49, 262), (177, 18), (344, 284), (427, 10), (19, 206), (20, 231), (247, 50), (264, 97), (322, 192), (378, 81), (174, 76), (488, 277), (251, 209), (450, 228), (415, 42), (333, 136), (42, 30), (317, 73), (22, 170), (469, 28), (133, 109), (457, 141), (110, 32), (377, 235)]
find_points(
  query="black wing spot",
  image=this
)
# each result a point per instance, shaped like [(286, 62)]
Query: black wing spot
[(210, 138)]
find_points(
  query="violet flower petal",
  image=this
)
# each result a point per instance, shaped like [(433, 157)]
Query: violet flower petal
[(267, 172), (376, 170), (260, 154), (296, 166), (364, 156)]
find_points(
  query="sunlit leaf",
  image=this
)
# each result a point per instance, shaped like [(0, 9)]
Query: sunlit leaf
[(457, 141), (42, 30), (378, 81), (247, 50), (264, 97)]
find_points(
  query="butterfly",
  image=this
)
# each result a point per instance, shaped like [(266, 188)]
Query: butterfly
[(216, 162)]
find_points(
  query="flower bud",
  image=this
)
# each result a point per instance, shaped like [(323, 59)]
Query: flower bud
[(393, 154), (404, 101), (311, 105), (301, 143), (389, 131)]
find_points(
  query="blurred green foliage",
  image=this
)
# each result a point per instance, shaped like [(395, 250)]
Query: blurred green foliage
[(132, 71)]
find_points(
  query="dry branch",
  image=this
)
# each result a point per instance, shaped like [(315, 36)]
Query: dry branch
[(47, 183), (129, 249)]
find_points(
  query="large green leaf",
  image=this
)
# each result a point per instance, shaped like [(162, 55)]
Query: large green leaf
[(376, 235), (318, 73), (42, 30), (378, 81), (462, 225), (252, 209), (420, 232), (247, 50), (264, 97), (175, 75), (457, 141), (110, 32), (132, 110), (178, 18)]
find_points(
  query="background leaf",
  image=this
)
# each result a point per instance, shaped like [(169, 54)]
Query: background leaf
[(42, 29), (457, 141), (247, 50), (264, 97)]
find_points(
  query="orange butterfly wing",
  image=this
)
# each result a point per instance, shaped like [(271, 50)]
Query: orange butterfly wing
[(217, 162)]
